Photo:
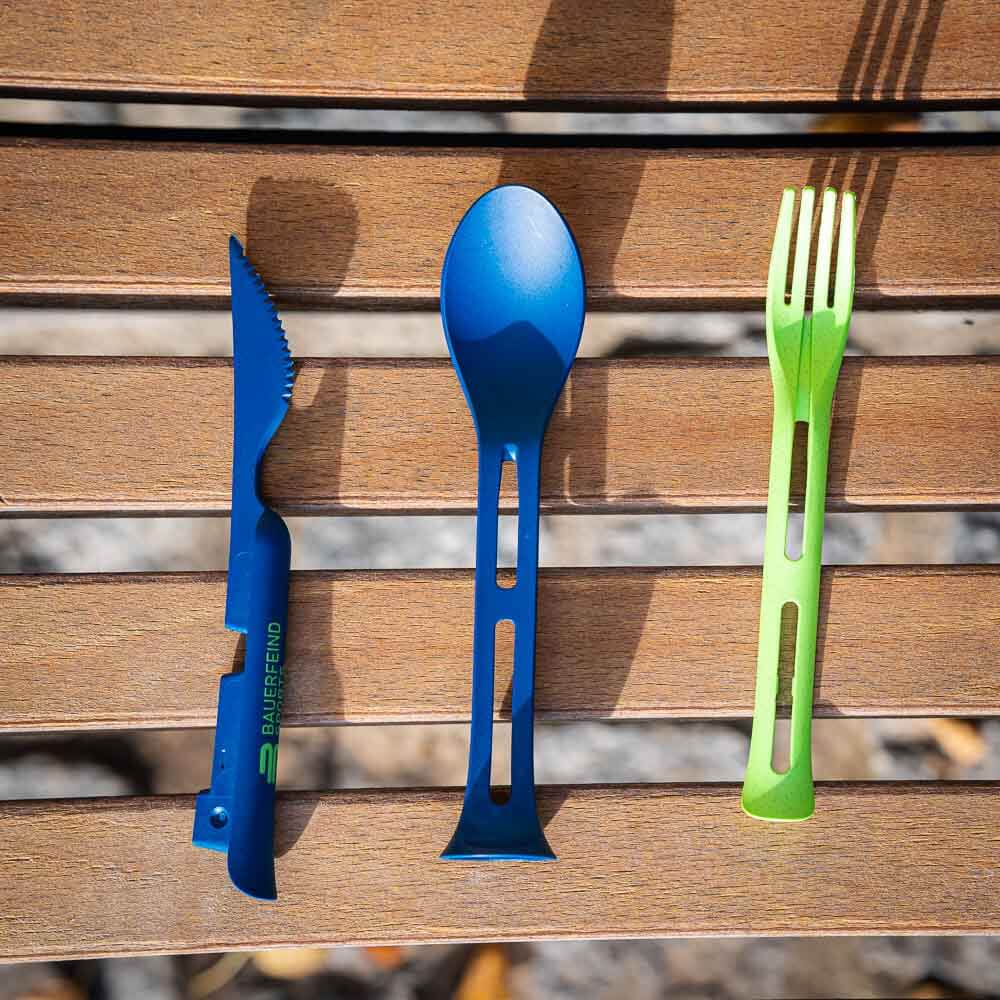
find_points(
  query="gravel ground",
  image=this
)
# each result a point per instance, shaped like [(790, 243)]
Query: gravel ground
[(582, 752)]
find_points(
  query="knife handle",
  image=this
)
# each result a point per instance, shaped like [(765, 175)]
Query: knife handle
[(237, 814)]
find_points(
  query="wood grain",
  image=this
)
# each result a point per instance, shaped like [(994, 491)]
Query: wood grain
[(666, 225), (153, 435), (651, 53), (363, 868), (135, 651)]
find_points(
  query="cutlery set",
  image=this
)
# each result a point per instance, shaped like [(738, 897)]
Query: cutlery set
[(512, 307)]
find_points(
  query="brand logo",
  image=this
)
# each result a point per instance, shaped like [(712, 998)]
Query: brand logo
[(269, 761), (270, 722)]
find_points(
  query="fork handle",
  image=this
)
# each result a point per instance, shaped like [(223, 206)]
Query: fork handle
[(767, 793)]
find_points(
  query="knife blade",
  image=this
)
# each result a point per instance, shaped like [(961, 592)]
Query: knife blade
[(262, 378)]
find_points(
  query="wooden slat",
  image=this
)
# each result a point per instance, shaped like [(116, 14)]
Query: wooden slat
[(146, 219), (153, 435), (134, 651), (647, 53), (363, 868)]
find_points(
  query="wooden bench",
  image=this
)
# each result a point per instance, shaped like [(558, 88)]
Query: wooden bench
[(139, 217)]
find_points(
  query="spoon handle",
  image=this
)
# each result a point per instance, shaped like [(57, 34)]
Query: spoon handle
[(490, 830)]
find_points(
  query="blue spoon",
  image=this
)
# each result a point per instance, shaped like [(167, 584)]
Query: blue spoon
[(512, 304)]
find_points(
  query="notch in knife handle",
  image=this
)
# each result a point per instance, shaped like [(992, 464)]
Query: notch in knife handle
[(246, 513), (236, 814)]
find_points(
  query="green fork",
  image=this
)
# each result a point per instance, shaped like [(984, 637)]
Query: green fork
[(805, 354)]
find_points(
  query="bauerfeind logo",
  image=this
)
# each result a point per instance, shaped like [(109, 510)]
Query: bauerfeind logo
[(273, 691)]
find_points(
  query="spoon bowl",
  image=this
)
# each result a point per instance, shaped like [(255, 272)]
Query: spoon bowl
[(512, 305)]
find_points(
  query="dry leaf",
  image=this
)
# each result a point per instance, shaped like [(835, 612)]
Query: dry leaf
[(959, 740), (881, 121), (52, 989), (486, 975), (222, 971), (929, 991), (291, 963), (387, 957)]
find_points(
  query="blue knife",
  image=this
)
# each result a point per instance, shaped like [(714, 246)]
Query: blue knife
[(236, 815)]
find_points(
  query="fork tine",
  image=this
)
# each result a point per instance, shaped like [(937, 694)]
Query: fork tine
[(843, 288), (777, 275), (803, 240), (824, 251)]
